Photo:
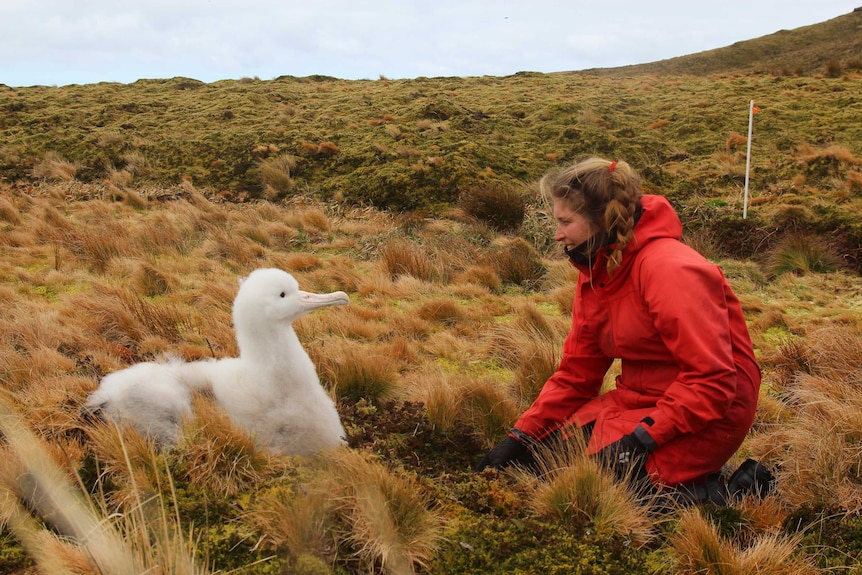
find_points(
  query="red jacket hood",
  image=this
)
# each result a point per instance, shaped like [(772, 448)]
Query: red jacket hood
[(657, 220)]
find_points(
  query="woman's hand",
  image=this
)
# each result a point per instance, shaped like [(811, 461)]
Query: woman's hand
[(625, 457), (508, 452)]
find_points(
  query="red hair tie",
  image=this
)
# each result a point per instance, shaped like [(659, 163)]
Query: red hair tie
[(611, 167)]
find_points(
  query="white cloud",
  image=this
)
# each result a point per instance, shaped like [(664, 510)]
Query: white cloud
[(60, 42)]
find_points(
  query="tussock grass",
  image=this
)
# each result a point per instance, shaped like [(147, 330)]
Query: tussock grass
[(700, 548), (517, 262), (401, 256), (445, 311), (531, 347), (150, 281), (218, 456), (503, 209), (387, 521), (446, 322), (275, 173), (818, 451), (482, 275), (354, 371), (54, 167), (132, 542), (801, 254), (302, 521), (572, 488), (9, 211)]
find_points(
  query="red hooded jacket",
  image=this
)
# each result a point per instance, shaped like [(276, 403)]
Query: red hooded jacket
[(686, 355)]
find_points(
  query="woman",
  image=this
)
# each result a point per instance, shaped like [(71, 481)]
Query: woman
[(687, 392)]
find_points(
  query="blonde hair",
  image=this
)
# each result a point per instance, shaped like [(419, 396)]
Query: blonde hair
[(606, 194)]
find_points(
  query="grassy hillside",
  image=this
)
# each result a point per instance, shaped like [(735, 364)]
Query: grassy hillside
[(823, 48), (127, 213), (420, 144)]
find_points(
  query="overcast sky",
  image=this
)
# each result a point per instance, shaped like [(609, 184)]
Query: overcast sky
[(60, 42)]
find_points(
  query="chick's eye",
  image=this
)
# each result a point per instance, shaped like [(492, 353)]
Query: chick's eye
[(282, 294)]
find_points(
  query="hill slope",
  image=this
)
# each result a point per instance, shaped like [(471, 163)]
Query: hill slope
[(420, 144), (805, 50)]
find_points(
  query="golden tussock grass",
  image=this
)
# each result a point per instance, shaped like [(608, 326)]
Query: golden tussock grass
[(9, 211), (309, 219), (301, 262), (234, 249), (91, 543), (338, 274), (699, 548), (217, 455), (48, 389), (517, 262), (98, 245), (300, 520), (130, 459), (807, 153), (440, 393), (572, 488), (482, 275), (354, 371), (444, 311), (353, 323), (531, 347), (817, 449), (276, 171), (385, 518), (479, 403), (150, 281), (401, 256), (167, 234), (54, 167), (443, 345)]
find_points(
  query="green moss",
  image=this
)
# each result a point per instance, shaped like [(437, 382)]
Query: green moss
[(486, 544)]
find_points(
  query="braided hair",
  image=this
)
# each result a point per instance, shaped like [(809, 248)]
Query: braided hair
[(607, 194)]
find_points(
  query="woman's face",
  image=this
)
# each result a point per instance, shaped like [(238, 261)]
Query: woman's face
[(573, 229)]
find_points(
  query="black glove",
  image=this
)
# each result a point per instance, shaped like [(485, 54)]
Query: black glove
[(507, 452), (626, 457)]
